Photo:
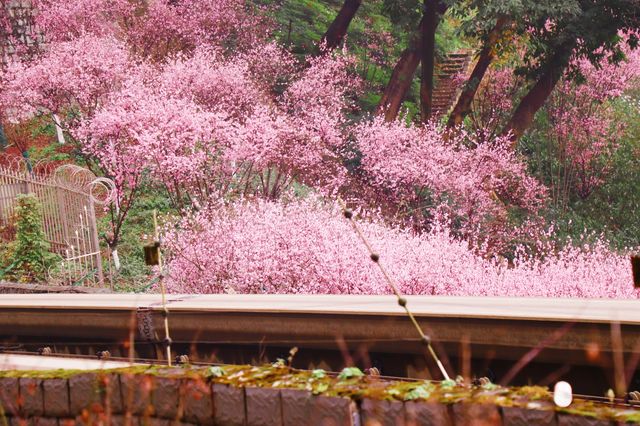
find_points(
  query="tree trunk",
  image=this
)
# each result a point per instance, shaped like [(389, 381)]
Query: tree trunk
[(537, 96), (487, 54), (401, 78), (338, 28), (4, 143), (430, 23)]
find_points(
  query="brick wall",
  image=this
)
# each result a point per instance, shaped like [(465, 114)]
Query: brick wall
[(176, 397)]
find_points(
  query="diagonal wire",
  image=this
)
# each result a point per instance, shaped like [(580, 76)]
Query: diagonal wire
[(402, 301)]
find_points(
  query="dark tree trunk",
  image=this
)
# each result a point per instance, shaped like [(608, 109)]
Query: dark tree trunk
[(4, 143), (430, 23), (538, 94), (338, 28), (401, 78), (463, 106)]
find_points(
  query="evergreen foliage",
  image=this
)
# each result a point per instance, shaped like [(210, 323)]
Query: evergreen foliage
[(29, 256)]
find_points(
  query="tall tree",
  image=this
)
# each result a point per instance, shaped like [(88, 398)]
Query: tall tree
[(485, 57), (539, 92), (491, 19), (401, 78), (403, 73), (595, 34), (429, 26), (338, 28)]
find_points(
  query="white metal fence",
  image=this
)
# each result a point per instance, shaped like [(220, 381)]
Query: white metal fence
[(69, 197)]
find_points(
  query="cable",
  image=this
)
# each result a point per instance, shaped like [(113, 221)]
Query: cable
[(375, 258)]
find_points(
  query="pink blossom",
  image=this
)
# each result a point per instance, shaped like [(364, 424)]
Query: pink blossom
[(305, 247), (583, 123), (65, 20), (71, 75), (476, 182)]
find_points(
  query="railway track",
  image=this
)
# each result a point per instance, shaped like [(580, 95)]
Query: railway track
[(524, 340)]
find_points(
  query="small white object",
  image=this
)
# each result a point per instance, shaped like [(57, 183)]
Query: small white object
[(59, 133), (116, 259), (562, 394)]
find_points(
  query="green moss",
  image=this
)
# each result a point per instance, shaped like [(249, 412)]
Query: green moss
[(67, 373), (533, 393), (358, 386), (39, 374), (630, 418)]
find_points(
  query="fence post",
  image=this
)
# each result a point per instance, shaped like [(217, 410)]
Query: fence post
[(94, 240), (62, 208)]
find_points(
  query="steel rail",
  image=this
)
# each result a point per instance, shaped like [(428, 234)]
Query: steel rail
[(486, 321), (624, 311)]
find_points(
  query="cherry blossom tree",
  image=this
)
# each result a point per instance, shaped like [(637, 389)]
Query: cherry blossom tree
[(97, 80), (156, 28), (202, 123), (475, 183), (583, 125), (71, 76)]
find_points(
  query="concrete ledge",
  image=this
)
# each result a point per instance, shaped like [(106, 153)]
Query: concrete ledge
[(7, 287)]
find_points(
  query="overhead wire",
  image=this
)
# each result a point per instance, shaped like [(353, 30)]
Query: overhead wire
[(402, 301)]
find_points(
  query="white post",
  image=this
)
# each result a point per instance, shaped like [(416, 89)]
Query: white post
[(59, 133), (116, 259)]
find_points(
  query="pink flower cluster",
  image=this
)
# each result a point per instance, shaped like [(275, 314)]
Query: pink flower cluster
[(583, 122), (201, 122), (153, 28), (71, 74), (307, 247), (474, 182)]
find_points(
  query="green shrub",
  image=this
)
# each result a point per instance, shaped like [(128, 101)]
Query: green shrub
[(28, 256)]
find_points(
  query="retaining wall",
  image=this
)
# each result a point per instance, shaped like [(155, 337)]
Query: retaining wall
[(183, 398)]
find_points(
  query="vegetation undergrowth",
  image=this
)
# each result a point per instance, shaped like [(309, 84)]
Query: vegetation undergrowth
[(28, 258)]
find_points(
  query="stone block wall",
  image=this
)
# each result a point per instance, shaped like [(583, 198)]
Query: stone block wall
[(23, 30), (176, 397)]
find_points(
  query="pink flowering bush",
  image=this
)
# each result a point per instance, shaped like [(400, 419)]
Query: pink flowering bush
[(200, 120), (583, 124), (195, 99), (66, 20), (493, 102), (70, 75), (475, 183), (156, 28), (169, 27), (141, 130), (580, 132), (306, 247)]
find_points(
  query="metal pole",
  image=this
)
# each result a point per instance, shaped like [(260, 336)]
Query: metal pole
[(94, 241), (165, 311)]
